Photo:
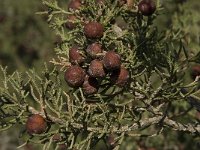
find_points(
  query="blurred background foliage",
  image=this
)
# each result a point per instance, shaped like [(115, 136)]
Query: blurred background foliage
[(25, 38), (26, 41)]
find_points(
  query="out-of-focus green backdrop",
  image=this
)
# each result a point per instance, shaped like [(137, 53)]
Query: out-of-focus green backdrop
[(26, 41)]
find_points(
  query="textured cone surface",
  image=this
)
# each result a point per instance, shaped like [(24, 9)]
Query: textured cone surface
[(120, 77), (74, 4), (36, 124), (74, 76), (70, 24), (75, 57), (147, 7), (94, 49), (195, 71), (96, 69), (93, 30), (112, 60), (90, 85)]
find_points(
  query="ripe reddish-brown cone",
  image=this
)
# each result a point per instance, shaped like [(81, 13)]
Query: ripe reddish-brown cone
[(195, 71), (120, 77), (70, 24), (94, 49), (112, 60), (147, 7), (74, 76), (96, 69), (90, 85), (36, 124), (75, 56), (74, 4), (93, 30)]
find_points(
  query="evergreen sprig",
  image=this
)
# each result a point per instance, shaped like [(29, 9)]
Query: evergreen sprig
[(157, 63)]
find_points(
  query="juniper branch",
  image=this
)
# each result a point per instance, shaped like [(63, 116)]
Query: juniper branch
[(144, 123)]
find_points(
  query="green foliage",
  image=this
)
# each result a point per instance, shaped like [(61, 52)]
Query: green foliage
[(147, 109)]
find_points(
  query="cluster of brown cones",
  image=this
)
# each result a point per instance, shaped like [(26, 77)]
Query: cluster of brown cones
[(100, 63)]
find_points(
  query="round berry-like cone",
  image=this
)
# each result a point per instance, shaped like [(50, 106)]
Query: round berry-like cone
[(112, 61), (36, 124), (93, 29), (74, 4), (120, 77), (96, 69), (195, 71), (90, 85), (75, 56), (70, 24), (74, 76), (94, 49), (147, 7)]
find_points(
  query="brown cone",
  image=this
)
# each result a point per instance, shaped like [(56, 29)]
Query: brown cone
[(120, 77), (147, 7), (36, 124), (75, 56), (94, 49), (70, 24), (93, 30), (90, 86), (74, 4), (195, 71), (112, 61), (96, 69), (74, 76)]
